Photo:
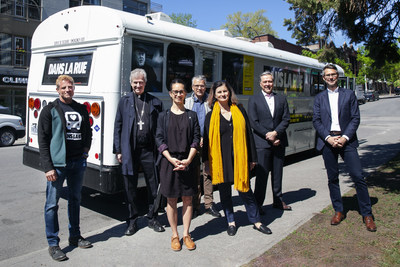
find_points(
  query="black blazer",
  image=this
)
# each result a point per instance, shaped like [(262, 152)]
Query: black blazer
[(251, 148), (162, 131), (349, 116), (262, 122), (125, 124)]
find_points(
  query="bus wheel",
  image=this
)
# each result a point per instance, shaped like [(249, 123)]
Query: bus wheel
[(7, 137)]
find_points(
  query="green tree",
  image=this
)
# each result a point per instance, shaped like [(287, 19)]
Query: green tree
[(249, 25), (183, 19), (308, 27), (330, 55), (376, 23)]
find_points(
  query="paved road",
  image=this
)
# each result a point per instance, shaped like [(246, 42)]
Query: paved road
[(305, 187)]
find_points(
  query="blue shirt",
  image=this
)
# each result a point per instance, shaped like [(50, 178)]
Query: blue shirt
[(198, 107)]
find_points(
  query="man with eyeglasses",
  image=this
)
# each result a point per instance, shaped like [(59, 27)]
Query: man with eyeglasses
[(197, 102), (336, 119), (134, 145)]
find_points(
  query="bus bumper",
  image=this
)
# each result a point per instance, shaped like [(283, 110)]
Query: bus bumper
[(105, 179)]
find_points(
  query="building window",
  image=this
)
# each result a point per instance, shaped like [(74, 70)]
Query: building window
[(31, 9), (35, 9), (135, 7), (14, 50), (19, 8), (20, 52), (5, 49), (73, 3), (6, 7)]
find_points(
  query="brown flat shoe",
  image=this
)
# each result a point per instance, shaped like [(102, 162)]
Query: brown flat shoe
[(175, 244), (337, 218), (189, 242), (369, 223)]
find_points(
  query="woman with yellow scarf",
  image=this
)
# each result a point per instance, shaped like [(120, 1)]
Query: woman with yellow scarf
[(229, 153)]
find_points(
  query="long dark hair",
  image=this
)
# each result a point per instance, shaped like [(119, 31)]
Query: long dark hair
[(232, 96)]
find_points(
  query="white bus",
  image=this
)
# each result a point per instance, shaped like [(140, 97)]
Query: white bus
[(99, 46)]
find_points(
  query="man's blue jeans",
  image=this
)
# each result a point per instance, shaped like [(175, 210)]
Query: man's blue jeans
[(73, 173)]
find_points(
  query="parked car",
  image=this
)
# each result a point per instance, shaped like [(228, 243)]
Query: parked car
[(359, 92), (371, 96), (11, 128), (397, 90)]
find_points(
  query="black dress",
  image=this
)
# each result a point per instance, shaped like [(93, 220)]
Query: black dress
[(226, 132), (174, 184)]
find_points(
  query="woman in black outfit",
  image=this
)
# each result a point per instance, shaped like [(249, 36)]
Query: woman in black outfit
[(177, 139), (229, 153)]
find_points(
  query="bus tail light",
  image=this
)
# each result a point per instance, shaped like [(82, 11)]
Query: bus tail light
[(88, 107), (95, 109), (37, 104), (91, 121), (31, 103)]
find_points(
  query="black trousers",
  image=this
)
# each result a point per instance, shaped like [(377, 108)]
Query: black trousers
[(142, 157), (269, 160)]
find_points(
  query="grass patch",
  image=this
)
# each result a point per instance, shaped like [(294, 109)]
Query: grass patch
[(317, 243)]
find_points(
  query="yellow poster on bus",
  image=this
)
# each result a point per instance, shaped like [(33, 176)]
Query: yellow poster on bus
[(248, 75)]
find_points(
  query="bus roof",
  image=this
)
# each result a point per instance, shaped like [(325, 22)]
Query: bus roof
[(97, 24)]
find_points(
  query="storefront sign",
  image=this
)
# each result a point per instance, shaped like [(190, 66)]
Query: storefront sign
[(12, 80)]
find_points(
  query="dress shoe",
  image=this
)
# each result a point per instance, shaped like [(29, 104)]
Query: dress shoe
[(57, 254), (132, 229), (156, 225), (213, 211), (79, 241), (337, 218), (189, 242), (261, 211), (175, 243), (369, 223), (281, 206), (263, 229), (231, 230)]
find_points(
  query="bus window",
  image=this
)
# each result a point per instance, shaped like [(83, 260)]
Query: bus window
[(149, 56), (180, 64), (209, 61), (317, 84), (232, 71)]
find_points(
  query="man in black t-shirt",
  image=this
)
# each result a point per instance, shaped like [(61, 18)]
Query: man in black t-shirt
[(65, 138)]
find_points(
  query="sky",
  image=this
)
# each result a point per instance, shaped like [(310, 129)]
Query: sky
[(212, 14)]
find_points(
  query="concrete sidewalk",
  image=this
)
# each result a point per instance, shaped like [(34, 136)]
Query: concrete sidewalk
[(305, 189)]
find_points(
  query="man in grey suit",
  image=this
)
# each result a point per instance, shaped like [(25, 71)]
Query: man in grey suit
[(197, 102), (269, 117)]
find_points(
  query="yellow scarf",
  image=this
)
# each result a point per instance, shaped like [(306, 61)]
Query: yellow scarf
[(241, 171)]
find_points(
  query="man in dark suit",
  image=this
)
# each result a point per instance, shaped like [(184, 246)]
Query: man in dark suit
[(336, 119), (269, 117), (134, 145)]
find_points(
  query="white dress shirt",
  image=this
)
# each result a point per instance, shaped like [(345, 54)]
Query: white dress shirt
[(270, 101), (334, 105)]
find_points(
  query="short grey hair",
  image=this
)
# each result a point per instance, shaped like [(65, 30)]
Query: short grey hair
[(136, 73), (331, 67), (265, 73), (200, 78)]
